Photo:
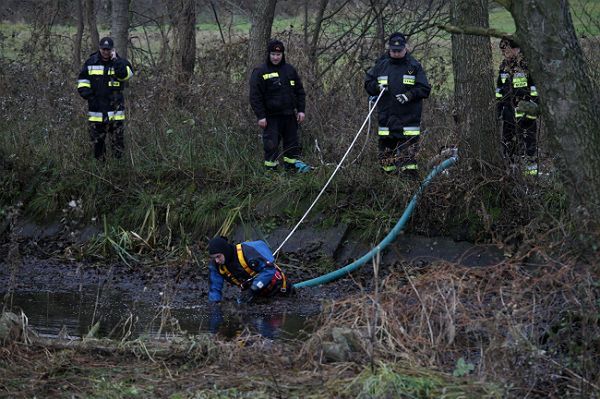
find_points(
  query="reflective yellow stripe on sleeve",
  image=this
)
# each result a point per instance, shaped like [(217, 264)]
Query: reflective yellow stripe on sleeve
[(383, 131), (382, 80), (83, 83), (412, 131), (129, 74), (95, 116), (533, 91), (116, 115), (498, 94), (113, 83)]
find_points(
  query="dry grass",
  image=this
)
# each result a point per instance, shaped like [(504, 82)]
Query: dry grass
[(535, 328)]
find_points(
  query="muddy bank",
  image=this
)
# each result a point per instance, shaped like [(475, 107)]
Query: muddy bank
[(41, 277)]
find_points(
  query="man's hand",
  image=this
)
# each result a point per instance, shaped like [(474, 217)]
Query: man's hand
[(262, 123), (402, 98), (300, 117), (246, 297), (382, 87)]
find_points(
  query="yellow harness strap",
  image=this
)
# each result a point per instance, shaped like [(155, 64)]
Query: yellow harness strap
[(240, 255), (225, 271), (283, 278), (252, 273)]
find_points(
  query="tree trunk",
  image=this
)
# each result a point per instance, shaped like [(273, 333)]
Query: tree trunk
[(314, 42), (90, 16), (78, 35), (263, 13), (120, 26), (380, 24), (183, 17), (568, 97), (473, 86)]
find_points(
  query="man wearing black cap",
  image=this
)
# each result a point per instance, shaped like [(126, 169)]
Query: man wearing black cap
[(399, 109), (249, 265), (277, 98), (514, 87), (101, 82)]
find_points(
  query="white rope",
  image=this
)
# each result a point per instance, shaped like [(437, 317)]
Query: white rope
[(367, 119)]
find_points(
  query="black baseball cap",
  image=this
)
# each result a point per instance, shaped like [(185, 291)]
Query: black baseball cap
[(107, 43), (397, 41)]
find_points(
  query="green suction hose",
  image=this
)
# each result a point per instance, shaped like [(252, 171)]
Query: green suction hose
[(334, 275)]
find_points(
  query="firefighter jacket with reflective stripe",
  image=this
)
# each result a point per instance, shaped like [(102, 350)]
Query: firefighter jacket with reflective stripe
[(276, 90), (401, 76), (514, 84), (101, 83), (250, 267)]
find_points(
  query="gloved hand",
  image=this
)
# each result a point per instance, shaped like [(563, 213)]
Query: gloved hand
[(529, 107), (246, 297), (402, 98), (382, 87)]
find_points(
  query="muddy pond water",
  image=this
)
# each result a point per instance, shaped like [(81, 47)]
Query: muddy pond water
[(75, 313)]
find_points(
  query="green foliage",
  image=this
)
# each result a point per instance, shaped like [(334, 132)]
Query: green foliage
[(463, 368), (115, 389), (385, 382)]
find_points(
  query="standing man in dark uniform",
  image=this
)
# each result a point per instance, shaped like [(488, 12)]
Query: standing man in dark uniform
[(399, 109), (519, 128), (277, 98), (101, 82)]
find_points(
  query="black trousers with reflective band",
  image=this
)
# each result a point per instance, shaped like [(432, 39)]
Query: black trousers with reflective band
[(397, 150), (519, 136), (281, 128), (98, 133)]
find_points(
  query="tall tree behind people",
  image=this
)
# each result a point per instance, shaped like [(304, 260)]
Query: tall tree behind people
[(183, 18), (77, 38), (569, 97), (120, 25), (90, 17), (473, 87), (263, 13)]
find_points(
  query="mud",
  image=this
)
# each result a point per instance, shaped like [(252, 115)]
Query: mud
[(170, 296)]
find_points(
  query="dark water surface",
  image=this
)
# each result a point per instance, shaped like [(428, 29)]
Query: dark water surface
[(120, 315)]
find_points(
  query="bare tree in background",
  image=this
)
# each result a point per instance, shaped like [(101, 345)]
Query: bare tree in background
[(568, 96), (90, 17), (77, 38), (263, 13), (183, 17), (120, 25), (473, 84)]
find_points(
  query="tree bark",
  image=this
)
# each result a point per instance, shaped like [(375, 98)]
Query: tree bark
[(473, 86), (120, 26), (90, 16), (568, 96), (263, 13), (183, 17), (314, 42), (77, 38)]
